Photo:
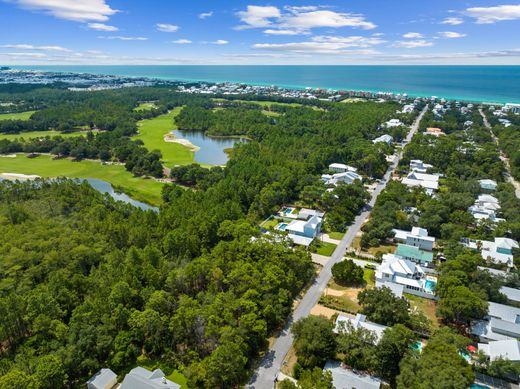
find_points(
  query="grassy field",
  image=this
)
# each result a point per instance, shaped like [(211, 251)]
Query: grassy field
[(426, 306), (336, 235), (152, 131), (16, 116), (323, 248), (40, 134), (145, 190), (145, 107)]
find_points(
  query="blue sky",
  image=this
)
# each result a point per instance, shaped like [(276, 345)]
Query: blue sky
[(244, 32)]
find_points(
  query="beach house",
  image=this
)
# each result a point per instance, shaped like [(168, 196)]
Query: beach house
[(393, 123), (405, 276), (141, 378), (303, 232), (501, 323), (488, 185), (417, 237), (512, 294), (335, 179), (345, 378), (103, 379), (388, 139), (344, 321), (485, 208), (430, 182), (341, 168), (499, 251), (434, 131), (501, 349), (416, 165)]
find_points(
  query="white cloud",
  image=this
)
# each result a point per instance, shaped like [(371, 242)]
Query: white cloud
[(258, 16), (325, 18), (206, 15), (285, 32), (165, 27), (412, 44), (182, 42), (32, 47), (413, 35), (76, 10), (21, 55), (451, 34), (452, 21), (489, 15), (102, 27), (299, 18), (124, 38), (323, 44), (219, 42)]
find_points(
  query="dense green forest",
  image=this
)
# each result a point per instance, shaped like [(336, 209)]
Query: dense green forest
[(87, 283)]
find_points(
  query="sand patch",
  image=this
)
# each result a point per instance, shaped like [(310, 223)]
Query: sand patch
[(320, 310), (170, 138), (16, 176)]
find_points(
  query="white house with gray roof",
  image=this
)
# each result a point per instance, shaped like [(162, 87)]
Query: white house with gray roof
[(499, 251), (417, 237), (343, 321), (512, 294), (103, 379), (502, 323), (501, 349), (141, 378), (343, 378)]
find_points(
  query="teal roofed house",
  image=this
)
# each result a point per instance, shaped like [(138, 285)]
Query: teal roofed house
[(486, 184), (413, 253)]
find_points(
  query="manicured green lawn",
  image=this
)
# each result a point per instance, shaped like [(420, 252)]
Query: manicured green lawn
[(145, 107), (336, 235), (369, 276), (40, 134), (146, 190), (270, 224), (152, 131), (323, 248), (16, 116)]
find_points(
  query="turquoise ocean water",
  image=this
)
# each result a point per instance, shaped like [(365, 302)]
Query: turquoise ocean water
[(499, 84)]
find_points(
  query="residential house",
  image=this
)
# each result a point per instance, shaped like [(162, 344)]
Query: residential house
[(337, 178), (417, 237), (416, 165), (408, 108), (512, 294), (343, 321), (501, 349), (500, 251), (487, 184), (103, 379), (141, 378), (414, 254), (501, 323), (485, 208), (344, 378), (303, 232), (514, 108), (434, 131), (393, 123), (430, 182), (341, 168), (388, 139), (407, 275)]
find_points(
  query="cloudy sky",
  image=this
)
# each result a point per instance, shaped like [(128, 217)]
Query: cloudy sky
[(243, 32)]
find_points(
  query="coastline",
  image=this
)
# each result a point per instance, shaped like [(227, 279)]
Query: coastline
[(470, 87)]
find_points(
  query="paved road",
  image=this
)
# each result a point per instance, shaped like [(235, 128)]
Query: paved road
[(270, 365), (503, 157)]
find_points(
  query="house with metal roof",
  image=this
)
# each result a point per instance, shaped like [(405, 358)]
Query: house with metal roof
[(407, 276), (416, 165), (502, 323), (388, 139), (429, 182), (341, 168), (344, 321), (486, 184), (141, 378), (303, 232), (417, 237), (501, 349), (500, 251), (414, 254), (103, 379), (344, 378), (512, 294)]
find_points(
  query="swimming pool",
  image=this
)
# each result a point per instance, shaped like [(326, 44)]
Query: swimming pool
[(429, 286), (287, 211), (417, 346), (281, 226)]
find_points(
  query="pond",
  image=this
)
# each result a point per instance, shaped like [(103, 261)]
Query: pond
[(105, 187), (211, 150)]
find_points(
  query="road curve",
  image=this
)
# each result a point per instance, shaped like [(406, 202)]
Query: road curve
[(267, 371)]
